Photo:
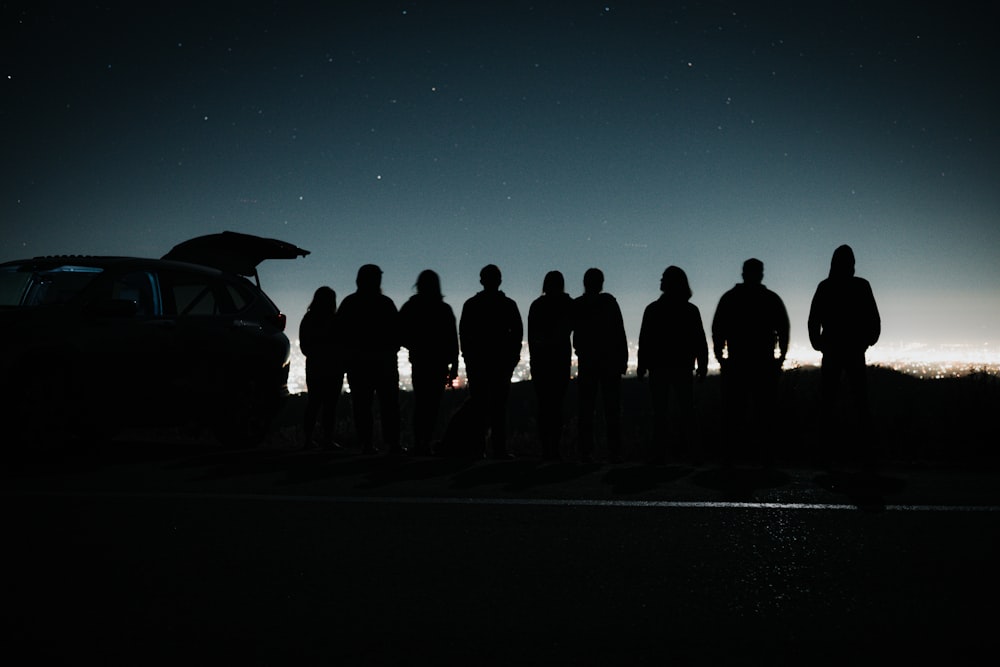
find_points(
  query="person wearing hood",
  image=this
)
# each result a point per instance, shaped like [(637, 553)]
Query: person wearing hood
[(843, 323)]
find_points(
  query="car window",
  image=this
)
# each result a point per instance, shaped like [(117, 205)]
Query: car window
[(199, 295), (241, 298), (45, 288), (12, 286), (140, 287)]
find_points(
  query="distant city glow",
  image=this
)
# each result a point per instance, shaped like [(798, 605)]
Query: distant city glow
[(917, 359)]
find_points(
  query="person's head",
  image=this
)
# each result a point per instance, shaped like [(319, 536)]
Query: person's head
[(429, 284), (489, 277), (842, 264), (674, 284), (369, 278), (753, 271), (324, 298), (593, 281), (554, 283)]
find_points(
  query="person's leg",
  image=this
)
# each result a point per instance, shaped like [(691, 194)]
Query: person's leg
[(362, 400), (498, 415), (423, 418), (388, 397), (587, 399), (682, 386), (550, 392), (659, 397), (611, 389)]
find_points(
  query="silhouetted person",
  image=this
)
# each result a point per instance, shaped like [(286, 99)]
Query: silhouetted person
[(843, 323), (491, 333), (750, 321), (602, 359), (430, 333), (549, 345), (320, 343), (672, 345), (370, 326)]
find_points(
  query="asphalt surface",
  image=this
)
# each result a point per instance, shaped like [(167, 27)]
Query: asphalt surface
[(146, 551)]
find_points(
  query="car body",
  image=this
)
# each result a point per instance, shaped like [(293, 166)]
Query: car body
[(90, 343)]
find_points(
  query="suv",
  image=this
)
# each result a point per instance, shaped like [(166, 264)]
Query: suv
[(91, 344)]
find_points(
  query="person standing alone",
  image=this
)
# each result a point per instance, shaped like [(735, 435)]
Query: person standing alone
[(843, 323)]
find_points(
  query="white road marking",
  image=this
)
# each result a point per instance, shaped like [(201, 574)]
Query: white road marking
[(531, 502)]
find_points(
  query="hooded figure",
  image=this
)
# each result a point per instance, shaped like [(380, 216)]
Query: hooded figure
[(843, 317), (843, 323)]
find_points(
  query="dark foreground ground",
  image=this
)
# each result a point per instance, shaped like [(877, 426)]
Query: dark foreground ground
[(164, 548), (941, 422)]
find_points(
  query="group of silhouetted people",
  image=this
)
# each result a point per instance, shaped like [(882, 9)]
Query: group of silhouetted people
[(749, 331)]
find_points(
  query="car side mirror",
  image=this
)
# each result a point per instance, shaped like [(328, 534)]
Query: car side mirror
[(112, 308)]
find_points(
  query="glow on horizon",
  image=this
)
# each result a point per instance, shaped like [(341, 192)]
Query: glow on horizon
[(918, 359)]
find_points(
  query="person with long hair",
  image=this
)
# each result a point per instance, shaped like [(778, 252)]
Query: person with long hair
[(429, 332), (672, 346), (320, 343), (550, 326)]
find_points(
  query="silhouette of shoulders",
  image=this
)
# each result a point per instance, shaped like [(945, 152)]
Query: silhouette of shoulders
[(428, 329), (599, 329), (550, 323), (672, 335), (843, 312), (490, 322)]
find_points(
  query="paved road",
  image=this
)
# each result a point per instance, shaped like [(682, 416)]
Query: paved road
[(146, 552)]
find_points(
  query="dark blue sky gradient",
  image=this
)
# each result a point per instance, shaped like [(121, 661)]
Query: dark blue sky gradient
[(537, 136)]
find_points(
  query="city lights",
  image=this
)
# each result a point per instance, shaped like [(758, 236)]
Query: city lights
[(917, 359)]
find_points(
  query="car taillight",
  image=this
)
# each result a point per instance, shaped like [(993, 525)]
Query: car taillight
[(281, 321)]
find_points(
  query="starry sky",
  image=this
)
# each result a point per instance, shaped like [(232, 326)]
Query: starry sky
[(534, 135)]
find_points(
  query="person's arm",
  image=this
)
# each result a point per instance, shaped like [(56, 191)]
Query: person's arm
[(719, 330), (815, 321), (701, 343), (783, 327), (622, 339)]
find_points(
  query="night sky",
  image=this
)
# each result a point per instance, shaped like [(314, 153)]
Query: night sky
[(536, 136)]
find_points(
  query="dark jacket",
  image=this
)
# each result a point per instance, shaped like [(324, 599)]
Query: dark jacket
[(749, 321), (599, 334), (369, 324), (429, 332), (672, 337), (843, 315), (491, 332), (550, 326), (319, 339)]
